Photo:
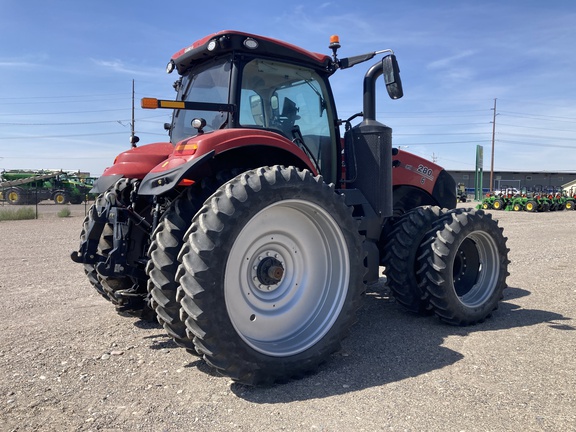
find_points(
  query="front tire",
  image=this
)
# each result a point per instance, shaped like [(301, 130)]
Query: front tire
[(15, 196), (89, 269), (272, 275), (61, 198), (162, 266), (531, 206), (128, 293)]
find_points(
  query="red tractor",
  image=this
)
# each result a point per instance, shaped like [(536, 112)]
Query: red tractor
[(252, 234)]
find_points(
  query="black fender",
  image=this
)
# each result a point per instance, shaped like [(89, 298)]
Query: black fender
[(445, 190), (103, 183), (157, 183)]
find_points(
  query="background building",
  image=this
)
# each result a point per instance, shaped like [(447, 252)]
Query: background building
[(517, 179)]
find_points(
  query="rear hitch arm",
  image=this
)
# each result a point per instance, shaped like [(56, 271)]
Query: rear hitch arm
[(116, 262), (87, 253)]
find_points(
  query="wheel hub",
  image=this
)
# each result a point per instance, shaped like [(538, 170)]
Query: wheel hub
[(269, 273)]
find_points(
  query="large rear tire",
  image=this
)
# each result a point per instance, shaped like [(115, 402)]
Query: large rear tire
[(272, 275), (89, 269), (465, 267), (400, 257)]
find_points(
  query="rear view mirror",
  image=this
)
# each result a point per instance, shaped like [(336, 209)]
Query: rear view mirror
[(257, 109), (274, 103), (391, 73)]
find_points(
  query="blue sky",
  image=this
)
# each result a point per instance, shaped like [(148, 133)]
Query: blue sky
[(66, 71)]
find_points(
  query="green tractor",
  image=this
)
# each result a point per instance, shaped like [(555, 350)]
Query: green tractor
[(518, 201), (496, 201), (541, 199), (32, 186), (488, 201), (26, 186), (72, 187), (570, 201)]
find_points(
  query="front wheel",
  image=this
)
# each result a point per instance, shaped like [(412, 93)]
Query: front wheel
[(15, 196), (272, 275), (167, 240), (531, 206), (61, 198)]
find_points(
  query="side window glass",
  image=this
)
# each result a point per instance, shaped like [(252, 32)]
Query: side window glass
[(208, 85), (289, 100)]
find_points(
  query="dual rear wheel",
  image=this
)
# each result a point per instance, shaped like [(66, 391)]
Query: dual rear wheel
[(451, 262)]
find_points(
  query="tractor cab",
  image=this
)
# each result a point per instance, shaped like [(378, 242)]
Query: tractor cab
[(275, 96), (262, 94)]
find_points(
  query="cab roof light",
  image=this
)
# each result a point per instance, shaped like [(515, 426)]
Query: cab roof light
[(250, 43), (334, 45), (170, 66), (212, 45), (334, 42)]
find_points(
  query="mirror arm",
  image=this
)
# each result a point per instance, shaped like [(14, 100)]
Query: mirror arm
[(370, 91)]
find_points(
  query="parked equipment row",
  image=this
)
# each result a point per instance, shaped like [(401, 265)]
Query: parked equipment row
[(532, 201)]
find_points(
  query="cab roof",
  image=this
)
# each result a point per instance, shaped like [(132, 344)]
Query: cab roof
[(230, 40)]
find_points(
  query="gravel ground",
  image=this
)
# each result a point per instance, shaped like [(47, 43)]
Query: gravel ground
[(68, 362)]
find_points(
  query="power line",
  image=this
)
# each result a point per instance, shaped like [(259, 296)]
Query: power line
[(441, 134), (64, 124), (444, 143), (572, 119), (537, 128), (537, 136), (542, 146), (64, 97), (61, 136), (63, 112)]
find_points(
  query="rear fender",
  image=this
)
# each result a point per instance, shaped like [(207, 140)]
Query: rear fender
[(195, 157)]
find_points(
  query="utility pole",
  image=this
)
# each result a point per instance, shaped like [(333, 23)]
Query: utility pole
[(133, 139), (132, 122), (492, 158)]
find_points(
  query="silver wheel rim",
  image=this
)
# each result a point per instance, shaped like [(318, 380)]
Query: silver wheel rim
[(486, 271), (298, 306)]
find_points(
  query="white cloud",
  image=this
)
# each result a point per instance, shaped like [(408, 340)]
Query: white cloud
[(447, 62), (24, 61), (120, 67)]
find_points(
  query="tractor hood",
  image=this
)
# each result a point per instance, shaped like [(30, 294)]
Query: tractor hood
[(134, 163)]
